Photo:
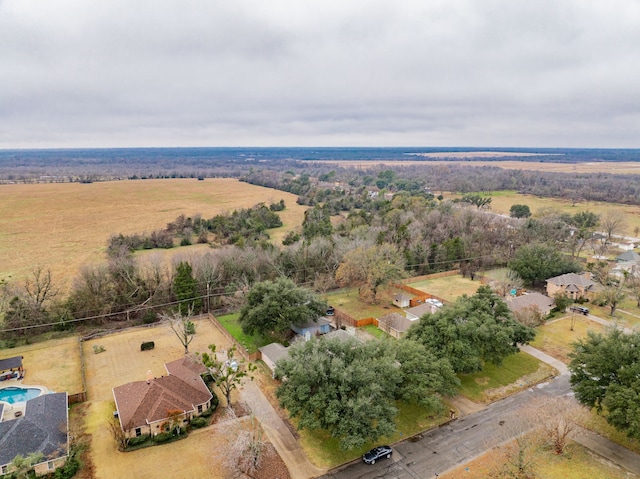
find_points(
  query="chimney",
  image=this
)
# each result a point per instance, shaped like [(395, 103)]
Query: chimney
[(149, 376)]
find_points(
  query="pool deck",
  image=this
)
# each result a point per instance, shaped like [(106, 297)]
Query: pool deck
[(9, 410)]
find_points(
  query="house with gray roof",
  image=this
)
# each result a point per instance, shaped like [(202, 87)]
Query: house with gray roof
[(418, 311), (573, 285), (42, 428), (628, 257), (395, 324), (531, 301), (11, 368)]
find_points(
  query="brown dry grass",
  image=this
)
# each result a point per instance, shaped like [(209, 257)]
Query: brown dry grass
[(54, 364), (576, 463), (64, 226)]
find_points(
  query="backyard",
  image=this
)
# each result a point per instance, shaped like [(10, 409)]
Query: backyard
[(122, 362), (448, 288), (54, 364)]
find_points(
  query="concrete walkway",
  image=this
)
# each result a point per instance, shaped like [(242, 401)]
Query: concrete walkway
[(597, 444), (279, 434), (609, 450), (545, 358)]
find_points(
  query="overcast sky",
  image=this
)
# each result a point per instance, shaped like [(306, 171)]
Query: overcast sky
[(552, 73)]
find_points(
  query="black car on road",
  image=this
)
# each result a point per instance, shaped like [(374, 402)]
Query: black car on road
[(376, 453)]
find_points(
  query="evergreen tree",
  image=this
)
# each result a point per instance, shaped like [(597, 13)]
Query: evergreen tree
[(185, 288)]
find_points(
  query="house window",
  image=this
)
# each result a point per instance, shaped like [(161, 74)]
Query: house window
[(5, 469), (50, 465), (199, 408), (138, 431)]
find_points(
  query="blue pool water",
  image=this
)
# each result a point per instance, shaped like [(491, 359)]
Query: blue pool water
[(13, 395)]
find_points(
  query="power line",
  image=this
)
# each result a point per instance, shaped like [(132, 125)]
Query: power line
[(135, 307)]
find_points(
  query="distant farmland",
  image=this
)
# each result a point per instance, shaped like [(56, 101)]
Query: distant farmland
[(63, 226)]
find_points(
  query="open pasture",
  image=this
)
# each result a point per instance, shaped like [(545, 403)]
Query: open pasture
[(64, 226), (502, 201)]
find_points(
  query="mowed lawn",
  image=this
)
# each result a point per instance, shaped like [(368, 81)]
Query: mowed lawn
[(448, 288), (348, 301), (54, 364), (122, 362), (556, 337), (64, 226)]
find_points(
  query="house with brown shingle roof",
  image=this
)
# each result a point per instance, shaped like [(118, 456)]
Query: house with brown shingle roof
[(152, 406), (574, 285)]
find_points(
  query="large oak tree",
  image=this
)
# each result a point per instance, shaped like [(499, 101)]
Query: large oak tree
[(350, 388), (473, 330), (605, 374), (272, 307)]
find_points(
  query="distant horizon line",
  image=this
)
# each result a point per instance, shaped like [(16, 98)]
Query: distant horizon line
[(440, 147)]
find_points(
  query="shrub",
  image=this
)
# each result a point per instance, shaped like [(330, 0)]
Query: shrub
[(97, 348), (147, 345), (162, 437), (198, 422), (149, 317), (136, 441)]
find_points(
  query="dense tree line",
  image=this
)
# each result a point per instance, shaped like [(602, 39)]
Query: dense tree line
[(238, 227)]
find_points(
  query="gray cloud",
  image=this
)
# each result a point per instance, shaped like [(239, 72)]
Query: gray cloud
[(195, 72)]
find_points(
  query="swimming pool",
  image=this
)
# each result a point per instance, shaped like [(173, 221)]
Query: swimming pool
[(14, 395)]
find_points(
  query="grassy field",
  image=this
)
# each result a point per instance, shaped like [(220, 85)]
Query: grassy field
[(64, 226), (348, 301), (517, 372), (555, 338), (502, 201), (448, 288), (576, 463), (54, 364), (231, 324)]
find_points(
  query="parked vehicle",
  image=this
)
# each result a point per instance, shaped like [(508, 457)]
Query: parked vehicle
[(435, 302), (580, 309), (330, 311), (380, 452)]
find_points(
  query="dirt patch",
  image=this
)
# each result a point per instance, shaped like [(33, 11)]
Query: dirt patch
[(482, 381)]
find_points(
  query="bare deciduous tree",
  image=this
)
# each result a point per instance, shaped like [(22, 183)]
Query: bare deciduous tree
[(245, 442), (182, 327), (39, 286), (558, 419), (118, 434)]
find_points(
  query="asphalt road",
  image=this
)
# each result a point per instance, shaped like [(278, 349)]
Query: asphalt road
[(456, 443)]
